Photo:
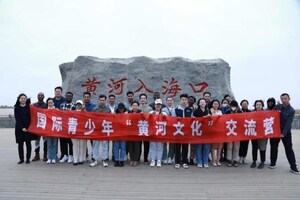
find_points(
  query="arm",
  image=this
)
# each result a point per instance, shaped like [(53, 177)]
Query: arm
[(288, 123)]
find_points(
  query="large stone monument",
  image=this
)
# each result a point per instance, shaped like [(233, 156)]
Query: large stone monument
[(169, 76)]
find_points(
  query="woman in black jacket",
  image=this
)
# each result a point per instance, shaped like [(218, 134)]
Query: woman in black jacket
[(22, 116)]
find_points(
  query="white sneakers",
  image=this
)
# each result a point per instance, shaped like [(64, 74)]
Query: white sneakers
[(64, 159), (199, 165), (48, 161), (165, 162), (206, 166), (152, 164), (177, 166), (170, 162), (70, 159), (93, 164), (105, 163), (158, 164), (53, 161), (185, 166)]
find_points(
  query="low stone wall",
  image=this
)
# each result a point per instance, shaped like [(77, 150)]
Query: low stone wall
[(7, 122)]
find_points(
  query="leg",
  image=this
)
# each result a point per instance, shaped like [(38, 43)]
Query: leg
[(146, 150), (206, 150), (75, 150), (288, 146), (63, 148), (254, 150), (229, 151), (185, 149), (28, 151), (274, 150), (160, 147), (136, 151), (171, 150), (105, 150), (96, 145), (165, 152), (123, 150), (219, 152), (115, 151), (177, 153), (152, 150), (21, 151)]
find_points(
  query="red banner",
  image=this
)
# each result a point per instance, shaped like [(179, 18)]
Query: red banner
[(151, 127)]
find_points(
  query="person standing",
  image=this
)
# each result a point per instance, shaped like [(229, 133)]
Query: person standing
[(168, 153), (79, 145), (51, 141), (130, 99), (191, 102), (287, 114), (156, 148), (244, 144), (66, 145), (233, 147), (145, 108), (156, 95), (58, 98), (202, 150), (96, 143), (181, 150), (40, 104), (22, 117)]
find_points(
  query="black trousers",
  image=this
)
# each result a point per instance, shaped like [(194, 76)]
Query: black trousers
[(254, 150), (64, 144), (288, 146), (243, 148), (21, 150), (134, 148), (181, 152), (146, 145)]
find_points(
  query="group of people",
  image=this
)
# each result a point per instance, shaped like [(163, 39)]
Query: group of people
[(75, 150)]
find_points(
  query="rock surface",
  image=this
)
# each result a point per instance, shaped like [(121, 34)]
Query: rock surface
[(169, 76)]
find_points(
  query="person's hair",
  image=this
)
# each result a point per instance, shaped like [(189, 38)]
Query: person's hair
[(87, 94), (58, 87), (244, 101), (204, 93), (49, 99), (259, 101), (135, 102), (215, 100), (226, 95), (193, 98), (69, 93), (112, 95), (129, 92), (102, 96), (200, 100), (224, 100), (28, 101), (143, 94), (285, 94), (184, 96)]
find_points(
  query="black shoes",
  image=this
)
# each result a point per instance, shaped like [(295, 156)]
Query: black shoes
[(253, 165), (20, 162), (294, 170), (261, 166), (27, 161)]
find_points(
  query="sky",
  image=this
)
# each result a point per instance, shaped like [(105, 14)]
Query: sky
[(259, 39)]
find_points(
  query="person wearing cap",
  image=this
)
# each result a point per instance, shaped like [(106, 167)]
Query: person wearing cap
[(156, 148), (79, 145), (233, 147), (119, 147)]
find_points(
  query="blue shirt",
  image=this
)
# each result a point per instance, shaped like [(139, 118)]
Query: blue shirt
[(89, 107)]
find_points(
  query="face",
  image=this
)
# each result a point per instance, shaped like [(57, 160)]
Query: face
[(79, 106), (22, 99), (206, 97), (102, 101), (170, 102), (156, 96), (143, 99), (202, 103), (135, 107), (86, 98), (69, 97), (121, 110), (58, 93), (285, 100), (183, 101), (229, 99), (112, 100), (270, 104), (50, 103), (130, 97), (258, 106), (245, 105), (216, 105), (157, 107), (225, 103), (40, 96), (191, 101)]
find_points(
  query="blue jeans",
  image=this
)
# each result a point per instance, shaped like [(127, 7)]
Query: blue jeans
[(202, 153), (52, 147), (119, 150)]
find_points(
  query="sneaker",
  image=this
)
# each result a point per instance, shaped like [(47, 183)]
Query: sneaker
[(272, 166), (253, 165), (235, 164), (177, 166), (245, 160), (158, 163), (105, 163), (170, 161), (199, 165), (185, 166), (75, 163), (121, 163), (64, 159), (219, 164), (48, 161), (93, 164), (70, 159), (206, 166), (117, 164), (229, 164), (241, 160), (165, 162), (294, 170), (53, 161), (152, 164), (261, 166)]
